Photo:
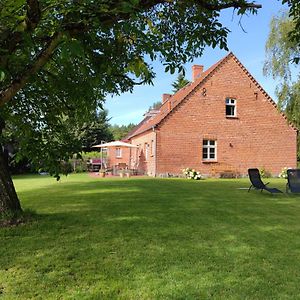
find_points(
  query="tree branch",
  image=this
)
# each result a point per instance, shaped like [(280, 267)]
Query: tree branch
[(40, 60), (232, 4), (33, 17), (33, 14)]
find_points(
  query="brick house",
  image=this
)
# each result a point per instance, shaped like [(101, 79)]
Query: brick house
[(223, 121)]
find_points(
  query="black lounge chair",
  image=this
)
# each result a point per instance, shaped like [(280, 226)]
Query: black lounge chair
[(293, 184), (257, 183)]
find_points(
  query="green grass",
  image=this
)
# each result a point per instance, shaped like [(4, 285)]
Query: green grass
[(151, 239)]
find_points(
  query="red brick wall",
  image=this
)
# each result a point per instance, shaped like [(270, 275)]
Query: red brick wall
[(258, 137), (146, 166), (113, 160)]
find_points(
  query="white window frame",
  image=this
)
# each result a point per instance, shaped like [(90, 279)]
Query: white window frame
[(118, 152), (230, 102), (211, 144)]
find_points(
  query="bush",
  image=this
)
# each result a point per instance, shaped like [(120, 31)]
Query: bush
[(192, 174), (283, 173), (93, 154), (66, 167), (264, 173), (81, 167)]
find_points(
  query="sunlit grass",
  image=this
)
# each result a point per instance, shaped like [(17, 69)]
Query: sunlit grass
[(151, 239)]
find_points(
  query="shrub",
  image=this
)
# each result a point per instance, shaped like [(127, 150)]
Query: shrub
[(66, 167), (283, 173), (80, 168), (191, 174), (93, 154), (264, 173)]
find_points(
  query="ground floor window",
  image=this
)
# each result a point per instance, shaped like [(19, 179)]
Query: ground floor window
[(118, 152), (209, 150), (146, 151), (152, 147)]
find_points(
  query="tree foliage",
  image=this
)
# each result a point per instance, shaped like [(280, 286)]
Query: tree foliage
[(155, 105), (282, 52), (294, 34), (180, 82), (120, 131), (95, 130)]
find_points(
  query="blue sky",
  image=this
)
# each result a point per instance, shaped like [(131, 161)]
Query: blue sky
[(249, 48)]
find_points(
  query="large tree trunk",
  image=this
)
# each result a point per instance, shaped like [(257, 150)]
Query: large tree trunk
[(9, 201)]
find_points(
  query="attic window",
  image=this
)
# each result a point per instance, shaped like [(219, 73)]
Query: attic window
[(230, 107)]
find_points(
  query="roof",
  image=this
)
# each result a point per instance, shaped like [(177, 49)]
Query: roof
[(175, 100)]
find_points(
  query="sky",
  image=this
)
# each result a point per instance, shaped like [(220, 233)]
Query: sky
[(249, 47)]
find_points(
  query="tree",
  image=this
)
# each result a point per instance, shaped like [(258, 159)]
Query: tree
[(120, 131), (155, 105), (180, 82), (294, 34), (282, 52), (95, 131), (59, 59)]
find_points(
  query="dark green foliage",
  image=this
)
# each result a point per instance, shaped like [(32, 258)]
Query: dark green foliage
[(120, 131), (96, 130), (180, 82), (82, 135)]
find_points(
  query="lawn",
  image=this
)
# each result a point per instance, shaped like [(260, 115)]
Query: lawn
[(151, 239)]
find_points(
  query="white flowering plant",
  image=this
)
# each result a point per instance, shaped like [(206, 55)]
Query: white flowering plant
[(191, 174), (283, 173)]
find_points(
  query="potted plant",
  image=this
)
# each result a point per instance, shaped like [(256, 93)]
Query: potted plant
[(102, 173)]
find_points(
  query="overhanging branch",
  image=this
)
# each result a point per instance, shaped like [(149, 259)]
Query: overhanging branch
[(29, 24), (231, 4), (40, 60), (33, 18)]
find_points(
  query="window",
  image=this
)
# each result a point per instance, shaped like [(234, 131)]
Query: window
[(118, 152), (138, 150), (209, 150), (230, 107), (146, 151), (152, 147)]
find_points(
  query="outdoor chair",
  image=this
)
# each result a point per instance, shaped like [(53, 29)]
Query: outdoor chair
[(293, 184), (257, 183)]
